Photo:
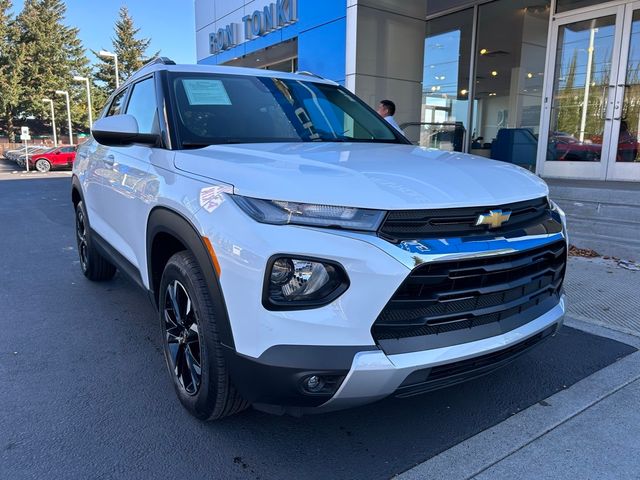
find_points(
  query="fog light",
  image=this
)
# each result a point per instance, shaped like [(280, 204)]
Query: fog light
[(303, 283), (314, 384)]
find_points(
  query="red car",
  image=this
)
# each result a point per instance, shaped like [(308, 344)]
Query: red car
[(59, 157)]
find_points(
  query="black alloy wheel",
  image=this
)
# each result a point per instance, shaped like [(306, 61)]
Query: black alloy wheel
[(81, 237), (182, 337)]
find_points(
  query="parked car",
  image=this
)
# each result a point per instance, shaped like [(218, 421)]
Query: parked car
[(56, 158), (301, 253), (19, 154)]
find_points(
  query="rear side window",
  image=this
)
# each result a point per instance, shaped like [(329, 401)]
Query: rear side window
[(116, 105), (142, 105), (68, 149)]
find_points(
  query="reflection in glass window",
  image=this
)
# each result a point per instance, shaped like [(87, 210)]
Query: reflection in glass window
[(628, 145), (142, 105), (445, 83), (510, 56), (581, 90)]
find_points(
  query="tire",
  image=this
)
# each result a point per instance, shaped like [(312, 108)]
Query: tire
[(191, 343), (94, 266), (42, 165)]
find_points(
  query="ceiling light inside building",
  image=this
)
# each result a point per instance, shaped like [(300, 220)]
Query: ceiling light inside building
[(529, 75), (494, 73), (463, 91), (483, 51)]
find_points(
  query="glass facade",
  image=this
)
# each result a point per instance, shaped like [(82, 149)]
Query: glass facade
[(628, 149), (445, 84), (509, 80), (581, 90)]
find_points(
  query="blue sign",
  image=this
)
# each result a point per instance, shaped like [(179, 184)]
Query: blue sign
[(272, 17)]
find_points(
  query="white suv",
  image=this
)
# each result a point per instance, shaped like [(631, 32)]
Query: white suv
[(303, 255)]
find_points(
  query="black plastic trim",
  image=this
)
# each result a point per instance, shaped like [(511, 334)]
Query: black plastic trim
[(117, 259), (394, 346), (163, 220), (269, 304), (426, 380), (275, 377)]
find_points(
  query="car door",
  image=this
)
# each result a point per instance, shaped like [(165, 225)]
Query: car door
[(126, 178), (65, 159), (94, 168)]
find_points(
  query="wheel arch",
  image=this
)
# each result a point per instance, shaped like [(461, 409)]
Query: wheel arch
[(169, 232), (76, 191)]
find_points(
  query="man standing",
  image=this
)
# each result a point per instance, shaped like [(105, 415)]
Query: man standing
[(387, 109)]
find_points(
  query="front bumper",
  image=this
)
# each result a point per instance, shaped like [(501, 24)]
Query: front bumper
[(273, 351), (367, 374), (374, 375)]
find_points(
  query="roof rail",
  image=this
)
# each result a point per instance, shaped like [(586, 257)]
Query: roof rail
[(152, 62), (310, 74), (159, 60)]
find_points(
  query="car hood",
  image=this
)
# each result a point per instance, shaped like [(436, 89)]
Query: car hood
[(367, 175)]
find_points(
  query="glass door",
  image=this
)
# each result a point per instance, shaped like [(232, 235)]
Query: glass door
[(624, 158), (580, 94)]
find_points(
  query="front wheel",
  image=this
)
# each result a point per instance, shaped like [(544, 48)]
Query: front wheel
[(191, 342), (43, 165)]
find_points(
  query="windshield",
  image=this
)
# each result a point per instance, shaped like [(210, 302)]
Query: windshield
[(222, 109)]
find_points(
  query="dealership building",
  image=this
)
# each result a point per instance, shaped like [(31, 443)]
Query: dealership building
[(551, 85)]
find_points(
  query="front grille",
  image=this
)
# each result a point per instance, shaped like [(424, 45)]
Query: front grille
[(442, 297), (457, 222)]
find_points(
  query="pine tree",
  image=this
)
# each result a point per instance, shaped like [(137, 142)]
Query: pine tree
[(52, 54), (9, 87), (130, 49)]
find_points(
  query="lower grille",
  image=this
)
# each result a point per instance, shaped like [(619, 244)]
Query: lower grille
[(422, 381), (444, 297)]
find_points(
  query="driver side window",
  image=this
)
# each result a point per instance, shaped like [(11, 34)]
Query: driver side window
[(117, 104)]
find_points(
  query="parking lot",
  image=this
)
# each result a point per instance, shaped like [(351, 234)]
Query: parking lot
[(85, 393)]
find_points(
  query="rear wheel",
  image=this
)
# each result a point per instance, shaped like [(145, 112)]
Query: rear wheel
[(94, 266), (43, 165), (191, 342)]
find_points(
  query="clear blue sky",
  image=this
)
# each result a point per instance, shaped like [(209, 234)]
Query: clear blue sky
[(169, 24)]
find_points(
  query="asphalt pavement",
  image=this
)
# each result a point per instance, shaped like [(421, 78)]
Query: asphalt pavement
[(85, 393)]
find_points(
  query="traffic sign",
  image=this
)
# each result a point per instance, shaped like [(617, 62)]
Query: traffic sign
[(24, 131), (24, 137)]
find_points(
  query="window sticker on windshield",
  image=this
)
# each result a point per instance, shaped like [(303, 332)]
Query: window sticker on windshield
[(205, 92)]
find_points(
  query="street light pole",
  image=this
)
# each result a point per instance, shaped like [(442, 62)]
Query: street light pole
[(53, 121), (106, 54), (66, 94), (78, 78)]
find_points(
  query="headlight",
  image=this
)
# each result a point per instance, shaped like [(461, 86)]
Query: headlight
[(281, 213), (300, 283), (559, 211)]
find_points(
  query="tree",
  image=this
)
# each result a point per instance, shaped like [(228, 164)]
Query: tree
[(49, 54), (8, 85), (131, 51)]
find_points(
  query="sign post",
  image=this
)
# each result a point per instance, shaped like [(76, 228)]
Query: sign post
[(25, 137)]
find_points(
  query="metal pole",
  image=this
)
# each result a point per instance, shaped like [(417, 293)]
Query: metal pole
[(115, 58), (53, 122), (66, 94), (26, 155), (89, 105), (587, 82)]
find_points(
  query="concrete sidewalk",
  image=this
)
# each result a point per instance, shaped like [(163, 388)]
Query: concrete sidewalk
[(588, 431)]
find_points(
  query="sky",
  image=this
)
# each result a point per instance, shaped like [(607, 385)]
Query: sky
[(169, 23)]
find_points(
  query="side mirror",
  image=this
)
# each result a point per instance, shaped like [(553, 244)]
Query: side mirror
[(120, 130)]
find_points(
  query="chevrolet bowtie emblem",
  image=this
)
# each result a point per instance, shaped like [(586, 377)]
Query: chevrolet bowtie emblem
[(494, 218)]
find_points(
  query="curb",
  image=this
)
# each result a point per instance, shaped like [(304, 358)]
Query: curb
[(493, 445)]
